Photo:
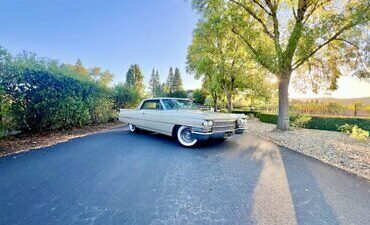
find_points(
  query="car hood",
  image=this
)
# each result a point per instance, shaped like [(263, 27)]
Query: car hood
[(206, 115)]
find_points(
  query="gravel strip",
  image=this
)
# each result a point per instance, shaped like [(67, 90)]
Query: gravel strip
[(331, 147)]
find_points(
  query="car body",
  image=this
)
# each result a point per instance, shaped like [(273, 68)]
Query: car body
[(179, 117)]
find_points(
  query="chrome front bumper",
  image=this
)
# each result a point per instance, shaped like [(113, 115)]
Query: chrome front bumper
[(216, 134)]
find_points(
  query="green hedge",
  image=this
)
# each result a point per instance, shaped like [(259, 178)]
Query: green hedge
[(323, 123), (38, 94), (267, 118), (333, 123), (249, 113)]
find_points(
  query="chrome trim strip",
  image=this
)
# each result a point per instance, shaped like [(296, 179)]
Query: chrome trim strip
[(210, 133)]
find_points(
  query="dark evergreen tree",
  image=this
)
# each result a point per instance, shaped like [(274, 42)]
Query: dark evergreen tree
[(170, 80), (134, 78), (177, 81), (154, 83)]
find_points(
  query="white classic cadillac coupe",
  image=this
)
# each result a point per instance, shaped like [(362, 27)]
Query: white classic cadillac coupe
[(180, 118)]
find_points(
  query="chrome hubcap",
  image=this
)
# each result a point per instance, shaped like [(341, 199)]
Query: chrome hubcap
[(186, 135)]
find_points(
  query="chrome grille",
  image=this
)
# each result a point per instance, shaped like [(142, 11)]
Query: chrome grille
[(224, 125)]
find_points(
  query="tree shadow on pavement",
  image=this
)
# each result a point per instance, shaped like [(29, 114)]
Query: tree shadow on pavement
[(310, 203)]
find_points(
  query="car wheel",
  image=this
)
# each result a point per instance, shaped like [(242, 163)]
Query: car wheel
[(184, 136), (132, 127)]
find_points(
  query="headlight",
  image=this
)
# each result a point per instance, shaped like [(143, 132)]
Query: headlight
[(242, 122), (208, 124)]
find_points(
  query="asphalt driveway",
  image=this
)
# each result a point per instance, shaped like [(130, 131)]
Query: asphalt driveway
[(121, 178)]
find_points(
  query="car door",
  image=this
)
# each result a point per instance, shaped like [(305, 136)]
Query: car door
[(151, 114)]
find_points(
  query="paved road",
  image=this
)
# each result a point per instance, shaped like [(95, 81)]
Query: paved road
[(122, 178)]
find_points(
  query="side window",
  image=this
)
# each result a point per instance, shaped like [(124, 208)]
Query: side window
[(152, 104)]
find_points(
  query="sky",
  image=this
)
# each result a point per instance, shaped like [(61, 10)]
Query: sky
[(114, 34)]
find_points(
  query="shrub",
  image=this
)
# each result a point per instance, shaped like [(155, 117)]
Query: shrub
[(267, 118), (99, 112), (354, 132), (42, 94), (333, 123), (300, 121), (322, 123), (346, 128), (359, 134), (125, 97)]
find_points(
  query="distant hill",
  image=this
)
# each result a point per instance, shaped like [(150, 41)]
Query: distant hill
[(344, 101)]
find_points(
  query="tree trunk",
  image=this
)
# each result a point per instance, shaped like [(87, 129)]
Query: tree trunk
[(283, 116), (229, 102), (215, 103)]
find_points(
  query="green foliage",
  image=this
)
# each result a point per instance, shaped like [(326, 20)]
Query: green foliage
[(155, 84), (323, 123), (98, 109), (199, 96), (333, 123), (178, 94), (267, 118), (300, 121), (177, 81), (135, 78), (354, 132), (320, 40), (170, 80), (359, 134), (41, 94), (125, 96), (174, 81), (346, 128)]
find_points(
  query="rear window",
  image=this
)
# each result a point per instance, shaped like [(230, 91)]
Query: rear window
[(152, 104)]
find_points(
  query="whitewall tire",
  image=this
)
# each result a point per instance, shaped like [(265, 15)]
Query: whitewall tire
[(184, 136), (132, 127)]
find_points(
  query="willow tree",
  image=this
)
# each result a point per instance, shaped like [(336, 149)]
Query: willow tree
[(319, 39)]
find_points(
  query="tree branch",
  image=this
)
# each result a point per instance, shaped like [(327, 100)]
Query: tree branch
[(316, 5), (299, 62), (254, 51), (348, 42), (262, 7), (253, 14)]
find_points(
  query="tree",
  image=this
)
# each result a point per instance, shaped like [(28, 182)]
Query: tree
[(170, 80), (199, 96), (165, 90), (135, 78), (177, 81), (80, 69), (105, 78), (319, 39), (102, 78), (155, 84), (215, 46)]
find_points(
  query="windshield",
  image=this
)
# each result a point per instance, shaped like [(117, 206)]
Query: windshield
[(176, 104)]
